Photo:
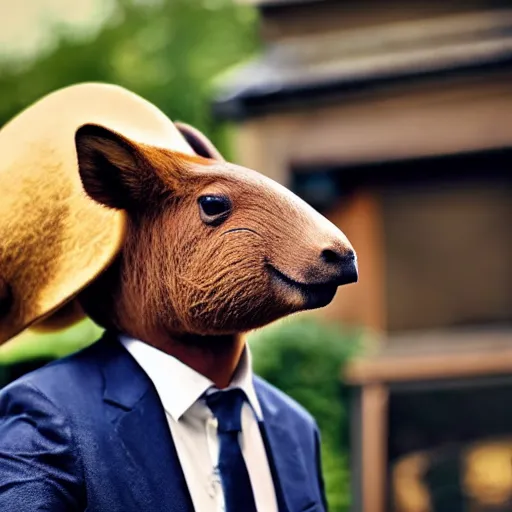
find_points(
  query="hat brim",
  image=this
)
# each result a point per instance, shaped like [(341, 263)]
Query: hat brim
[(55, 239)]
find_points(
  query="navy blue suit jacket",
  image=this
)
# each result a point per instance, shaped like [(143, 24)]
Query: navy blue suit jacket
[(88, 432)]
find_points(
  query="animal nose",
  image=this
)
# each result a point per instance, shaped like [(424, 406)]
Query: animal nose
[(343, 264)]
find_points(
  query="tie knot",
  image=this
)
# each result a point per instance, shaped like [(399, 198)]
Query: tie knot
[(226, 406)]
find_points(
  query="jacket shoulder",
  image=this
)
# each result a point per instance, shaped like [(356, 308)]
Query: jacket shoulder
[(283, 402)]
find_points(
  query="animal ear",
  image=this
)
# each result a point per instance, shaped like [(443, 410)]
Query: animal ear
[(112, 168), (199, 142)]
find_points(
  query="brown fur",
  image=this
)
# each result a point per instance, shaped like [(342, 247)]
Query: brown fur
[(177, 276)]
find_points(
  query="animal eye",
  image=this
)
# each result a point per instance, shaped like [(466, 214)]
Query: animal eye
[(214, 209)]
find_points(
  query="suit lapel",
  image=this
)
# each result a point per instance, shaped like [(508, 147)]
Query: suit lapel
[(155, 478), (286, 459)]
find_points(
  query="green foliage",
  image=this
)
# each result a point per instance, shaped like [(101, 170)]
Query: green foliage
[(31, 349), (336, 471), (304, 357), (167, 51), (32, 345)]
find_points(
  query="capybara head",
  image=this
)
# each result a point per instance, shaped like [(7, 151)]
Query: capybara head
[(211, 247)]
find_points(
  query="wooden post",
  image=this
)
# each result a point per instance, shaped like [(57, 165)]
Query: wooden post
[(374, 413)]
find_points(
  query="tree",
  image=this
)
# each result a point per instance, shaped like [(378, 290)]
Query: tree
[(167, 51)]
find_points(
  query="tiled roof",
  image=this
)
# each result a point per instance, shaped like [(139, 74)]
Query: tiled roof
[(305, 69)]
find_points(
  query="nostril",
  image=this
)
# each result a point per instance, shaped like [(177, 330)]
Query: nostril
[(334, 257), (330, 256)]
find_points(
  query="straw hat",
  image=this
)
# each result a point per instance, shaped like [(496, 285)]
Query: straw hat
[(54, 239)]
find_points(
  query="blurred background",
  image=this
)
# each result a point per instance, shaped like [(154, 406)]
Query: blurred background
[(394, 119)]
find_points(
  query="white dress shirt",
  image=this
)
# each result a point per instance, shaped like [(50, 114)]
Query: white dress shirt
[(194, 428)]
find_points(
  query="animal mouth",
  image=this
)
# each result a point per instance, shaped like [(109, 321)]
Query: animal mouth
[(315, 295)]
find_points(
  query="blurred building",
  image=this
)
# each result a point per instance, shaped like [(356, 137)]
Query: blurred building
[(395, 120)]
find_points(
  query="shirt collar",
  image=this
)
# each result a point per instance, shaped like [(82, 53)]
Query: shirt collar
[(178, 385), (243, 379)]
